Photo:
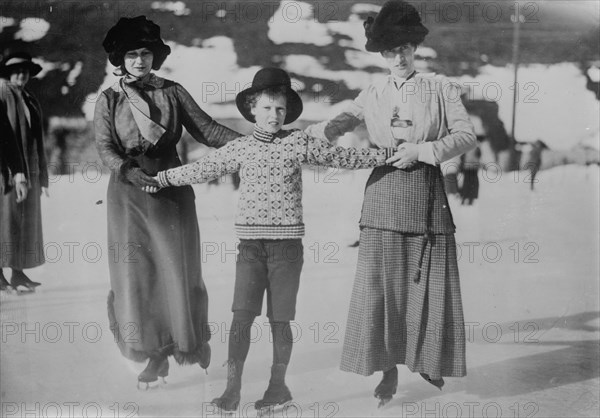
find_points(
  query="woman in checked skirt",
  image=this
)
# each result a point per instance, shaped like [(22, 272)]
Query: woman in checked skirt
[(406, 305)]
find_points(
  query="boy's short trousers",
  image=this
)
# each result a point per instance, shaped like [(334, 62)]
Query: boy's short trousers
[(271, 265)]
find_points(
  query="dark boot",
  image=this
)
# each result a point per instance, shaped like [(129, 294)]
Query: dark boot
[(387, 387), (157, 367), (230, 399), (4, 285), (438, 383), (19, 278), (277, 392)]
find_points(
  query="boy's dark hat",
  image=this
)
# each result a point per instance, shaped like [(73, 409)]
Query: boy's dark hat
[(268, 78), (18, 60), (134, 33), (397, 23)]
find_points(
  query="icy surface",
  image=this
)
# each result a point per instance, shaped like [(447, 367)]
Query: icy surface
[(530, 294)]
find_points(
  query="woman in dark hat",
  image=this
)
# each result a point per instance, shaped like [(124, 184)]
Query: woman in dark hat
[(406, 304), (158, 304), (23, 171)]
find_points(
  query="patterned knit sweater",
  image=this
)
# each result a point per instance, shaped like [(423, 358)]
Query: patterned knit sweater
[(270, 201)]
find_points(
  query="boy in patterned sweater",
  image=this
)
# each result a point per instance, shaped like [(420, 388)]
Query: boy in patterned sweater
[(269, 219)]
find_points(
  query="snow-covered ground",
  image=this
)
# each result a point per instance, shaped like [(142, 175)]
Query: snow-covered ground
[(529, 275)]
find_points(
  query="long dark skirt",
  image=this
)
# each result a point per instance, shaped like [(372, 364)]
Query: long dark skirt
[(21, 238), (158, 301), (394, 319)]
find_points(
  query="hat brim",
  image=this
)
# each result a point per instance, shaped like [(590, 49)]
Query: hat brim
[(33, 68), (294, 104), (391, 40)]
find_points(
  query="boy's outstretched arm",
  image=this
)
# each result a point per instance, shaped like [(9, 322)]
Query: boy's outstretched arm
[(316, 151), (212, 166)]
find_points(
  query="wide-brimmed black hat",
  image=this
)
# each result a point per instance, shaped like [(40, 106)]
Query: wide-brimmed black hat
[(397, 23), (18, 60), (134, 33), (271, 78)]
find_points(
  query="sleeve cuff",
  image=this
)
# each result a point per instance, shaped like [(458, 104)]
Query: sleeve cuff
[(389, 153), (163, 181), (425, 150)]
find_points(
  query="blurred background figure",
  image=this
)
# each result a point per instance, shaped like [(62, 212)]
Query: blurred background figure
[(469, 167), (535, 160), (23, 172)]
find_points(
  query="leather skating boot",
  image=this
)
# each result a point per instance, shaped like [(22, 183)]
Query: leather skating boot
[(157, 367), (230, 399), (19, 278), (4, 285), (386, 389), (438, 383), (277, 393)]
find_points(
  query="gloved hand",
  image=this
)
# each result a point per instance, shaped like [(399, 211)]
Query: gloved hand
[(136, 176)]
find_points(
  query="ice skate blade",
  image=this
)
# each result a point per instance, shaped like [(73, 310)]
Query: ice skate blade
[(271, 410), (146, 386), (383, 402), (224, 412)]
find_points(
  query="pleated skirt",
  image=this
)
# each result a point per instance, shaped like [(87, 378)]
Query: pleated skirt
[(397, 316)]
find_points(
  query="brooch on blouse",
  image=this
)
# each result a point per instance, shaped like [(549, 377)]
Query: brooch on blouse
[(400, 127)]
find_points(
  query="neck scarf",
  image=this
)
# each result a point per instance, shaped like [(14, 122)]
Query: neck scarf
[(140, 108)]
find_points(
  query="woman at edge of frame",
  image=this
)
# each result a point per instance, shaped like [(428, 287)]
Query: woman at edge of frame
[(23, 172)]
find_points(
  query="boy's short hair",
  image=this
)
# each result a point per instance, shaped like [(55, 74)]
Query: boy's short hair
[(252, 98)]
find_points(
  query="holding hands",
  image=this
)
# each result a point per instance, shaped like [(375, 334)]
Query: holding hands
[(152, 189), (405, 157), (138, 177)]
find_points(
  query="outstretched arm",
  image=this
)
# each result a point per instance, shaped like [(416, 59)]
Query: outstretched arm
[(316, 151), (346, 121), (200, 125), (214, 165)]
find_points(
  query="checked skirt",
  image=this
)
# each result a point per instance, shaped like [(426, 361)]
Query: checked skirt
[(397, 318)]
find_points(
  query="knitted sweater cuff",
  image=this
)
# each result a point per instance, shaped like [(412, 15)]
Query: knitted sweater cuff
[(163, 181)]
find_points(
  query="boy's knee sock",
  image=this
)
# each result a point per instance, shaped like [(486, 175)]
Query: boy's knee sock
[(282, 342), (240, 335)]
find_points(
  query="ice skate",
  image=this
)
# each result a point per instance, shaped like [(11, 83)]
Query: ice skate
[(19, 278), (277, 395), (386, 389), (4, 285), (157, 367), (438, 383), (229, 401)]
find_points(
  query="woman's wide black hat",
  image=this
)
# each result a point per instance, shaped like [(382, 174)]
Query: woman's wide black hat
[(18, 60), (134, 33), (266, 78), (397, 23)]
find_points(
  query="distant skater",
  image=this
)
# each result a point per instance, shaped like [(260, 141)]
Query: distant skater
[(23, 174), (469, 167)]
